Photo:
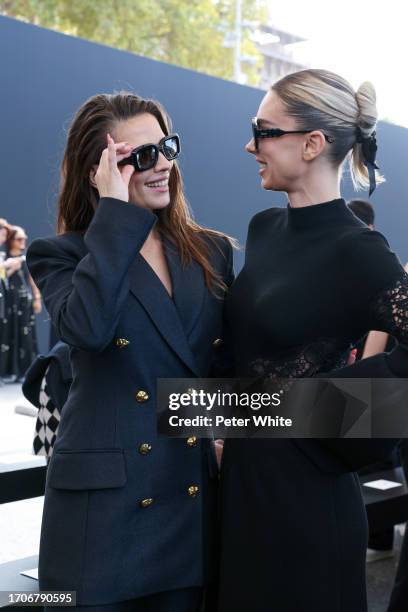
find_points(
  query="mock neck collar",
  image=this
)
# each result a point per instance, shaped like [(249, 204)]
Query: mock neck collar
[(319, 215)]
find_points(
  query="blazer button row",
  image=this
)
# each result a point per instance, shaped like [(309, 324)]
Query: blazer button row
[(217, 342), (193, 491)]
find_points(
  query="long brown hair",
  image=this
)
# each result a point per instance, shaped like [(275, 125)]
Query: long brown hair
[(78, 199)]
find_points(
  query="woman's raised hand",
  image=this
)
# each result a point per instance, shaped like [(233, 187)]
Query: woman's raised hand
[(110, 181)]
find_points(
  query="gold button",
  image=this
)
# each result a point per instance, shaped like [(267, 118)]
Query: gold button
[(145, 448), (192, 441), (122, 342), (217, 342), (142, 396), (190, 391), (145, 503), (193, 490)]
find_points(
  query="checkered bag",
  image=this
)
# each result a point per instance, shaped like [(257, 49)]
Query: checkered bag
[(48, 419), (46, 386)]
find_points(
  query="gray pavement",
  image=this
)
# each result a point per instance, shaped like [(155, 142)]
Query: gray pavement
[(19, 521)]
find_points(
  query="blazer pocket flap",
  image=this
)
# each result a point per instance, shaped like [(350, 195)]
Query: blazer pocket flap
[(87, 469)]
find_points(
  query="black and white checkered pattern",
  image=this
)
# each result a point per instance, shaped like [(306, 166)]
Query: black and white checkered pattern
[(47, 422)]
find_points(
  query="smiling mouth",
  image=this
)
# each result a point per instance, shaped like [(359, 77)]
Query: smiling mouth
[(158, 184)]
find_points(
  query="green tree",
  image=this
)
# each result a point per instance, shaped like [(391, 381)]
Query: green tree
[(190, 33)]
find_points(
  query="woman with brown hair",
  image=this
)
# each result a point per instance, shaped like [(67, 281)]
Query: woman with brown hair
[(135, 287)]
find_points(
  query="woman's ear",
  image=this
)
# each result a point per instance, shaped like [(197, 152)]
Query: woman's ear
[(92, 173), (314, 144)]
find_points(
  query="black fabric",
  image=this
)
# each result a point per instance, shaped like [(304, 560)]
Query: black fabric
[(369, 150), (399, 595), (293, 523), (315, 281), (180, 600), (2, 298), (381, 540), (3, 322)]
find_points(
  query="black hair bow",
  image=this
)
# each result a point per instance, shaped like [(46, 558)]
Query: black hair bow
[(369, 149)]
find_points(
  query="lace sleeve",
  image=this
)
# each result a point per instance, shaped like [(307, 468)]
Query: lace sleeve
[(390, 311)]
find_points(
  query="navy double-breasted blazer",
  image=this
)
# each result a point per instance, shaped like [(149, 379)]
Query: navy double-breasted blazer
[(126, 513)]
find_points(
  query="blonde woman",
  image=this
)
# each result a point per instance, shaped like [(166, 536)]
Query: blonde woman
[(315, 280)]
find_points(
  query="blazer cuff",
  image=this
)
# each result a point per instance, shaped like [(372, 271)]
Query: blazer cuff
[(115, 217)]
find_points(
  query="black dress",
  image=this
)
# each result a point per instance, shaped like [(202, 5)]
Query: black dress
[(20, 338), (293, 524)]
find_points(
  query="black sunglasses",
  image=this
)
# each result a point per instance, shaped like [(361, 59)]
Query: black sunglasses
[(276, 132), (145, 157)]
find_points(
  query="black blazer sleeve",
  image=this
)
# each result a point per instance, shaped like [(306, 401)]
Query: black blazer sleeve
[(56, 366), (84, 295)]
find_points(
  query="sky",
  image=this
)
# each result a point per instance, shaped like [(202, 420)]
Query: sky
[(360, 40)]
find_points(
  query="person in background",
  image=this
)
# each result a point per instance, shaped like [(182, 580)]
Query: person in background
[(4, 225), (8, 265), (364, 210), (3, 287), (380, 544), (376, 341), (23, 303), (4, 229)]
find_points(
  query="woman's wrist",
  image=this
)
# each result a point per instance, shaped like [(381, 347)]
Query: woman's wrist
[(111, 197)]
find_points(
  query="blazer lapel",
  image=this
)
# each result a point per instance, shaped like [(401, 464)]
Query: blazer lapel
[(149, 290), (188, 287)]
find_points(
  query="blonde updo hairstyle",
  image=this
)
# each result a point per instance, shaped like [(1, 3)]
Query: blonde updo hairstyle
[(322, 100)]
